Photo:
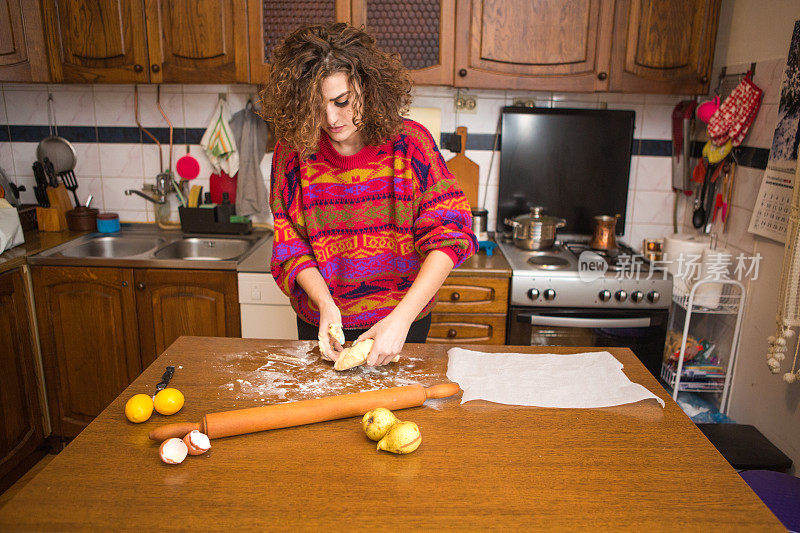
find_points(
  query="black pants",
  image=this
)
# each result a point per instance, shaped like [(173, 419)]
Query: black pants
[(418, 332)]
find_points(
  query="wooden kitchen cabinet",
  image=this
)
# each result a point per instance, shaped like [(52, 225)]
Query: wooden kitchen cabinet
[(22, 50), (100, 327), (664, 46), (421, 31), (470, 310), (22, 428), (140, 41), (586, 45), (171, 303)]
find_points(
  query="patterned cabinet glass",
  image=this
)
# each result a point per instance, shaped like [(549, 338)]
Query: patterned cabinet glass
[(271, 20), (421, 31)]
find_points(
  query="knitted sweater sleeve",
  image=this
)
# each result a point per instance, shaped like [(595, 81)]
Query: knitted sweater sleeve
[(291, 251), (443, 219)]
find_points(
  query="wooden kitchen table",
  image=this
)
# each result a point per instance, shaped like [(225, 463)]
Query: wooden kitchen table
[(481, 465)]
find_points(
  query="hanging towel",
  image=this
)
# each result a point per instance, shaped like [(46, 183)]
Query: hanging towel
[(250, 133), (218, 142)]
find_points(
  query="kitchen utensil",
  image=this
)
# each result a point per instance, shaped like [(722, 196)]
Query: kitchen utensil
[(187, 166), (283, 415), (71, 183), (57, 149), (711, 196), (89, 200), (682, 131), (165, 377), (603, 230), (195, 193), (479, 221), (707, 109), (10, 192), (535, 231), (728, 205), (41, 184), (699, 215), (465, 170), (108, 222), (82, 219), (714, 154)]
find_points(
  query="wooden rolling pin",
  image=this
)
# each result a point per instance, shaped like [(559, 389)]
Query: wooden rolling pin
[(284, 415)]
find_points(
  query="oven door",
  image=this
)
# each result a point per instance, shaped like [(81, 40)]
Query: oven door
[(643, 332)]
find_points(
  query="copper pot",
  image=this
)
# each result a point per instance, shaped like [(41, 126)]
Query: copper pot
[(603, 232)]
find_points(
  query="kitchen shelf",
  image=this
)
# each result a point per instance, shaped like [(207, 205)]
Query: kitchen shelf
[(707, 297)]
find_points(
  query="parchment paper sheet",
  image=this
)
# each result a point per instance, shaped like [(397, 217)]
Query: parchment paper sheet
[(593, 379)]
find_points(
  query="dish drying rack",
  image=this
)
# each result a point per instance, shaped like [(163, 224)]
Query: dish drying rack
[(731, 302)]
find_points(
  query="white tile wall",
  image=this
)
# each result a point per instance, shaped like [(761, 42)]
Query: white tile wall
[(106, 169)]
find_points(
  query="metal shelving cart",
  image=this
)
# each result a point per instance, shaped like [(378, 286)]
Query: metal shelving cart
[(696, 302)]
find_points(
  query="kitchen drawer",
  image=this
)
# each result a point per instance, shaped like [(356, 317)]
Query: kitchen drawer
[(473, 295), (451, 328)]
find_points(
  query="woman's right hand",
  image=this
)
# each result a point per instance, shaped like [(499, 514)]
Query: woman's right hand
[(329, 347)]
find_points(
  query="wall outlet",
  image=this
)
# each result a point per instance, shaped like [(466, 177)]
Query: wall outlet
[(524, 102), (465, 104)]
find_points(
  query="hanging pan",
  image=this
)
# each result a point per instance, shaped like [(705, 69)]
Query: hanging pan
[(57, 149)]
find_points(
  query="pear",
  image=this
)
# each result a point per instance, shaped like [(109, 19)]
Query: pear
[(403, 437), (377, 422)]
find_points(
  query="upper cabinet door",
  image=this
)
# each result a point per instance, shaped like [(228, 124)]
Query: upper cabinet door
[(197, 41), (270, 20), (421, 31), (22, 53), (664, 46), (559, 45), (94, 41)]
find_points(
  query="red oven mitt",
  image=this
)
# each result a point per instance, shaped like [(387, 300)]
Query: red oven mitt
[(733, 118)]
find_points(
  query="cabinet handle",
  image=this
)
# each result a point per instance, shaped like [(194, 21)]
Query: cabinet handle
[(141, 286), (124, 283), (138, 68), (602, 76), (455, 297), (451, 333), (155, 67), (462, 73)]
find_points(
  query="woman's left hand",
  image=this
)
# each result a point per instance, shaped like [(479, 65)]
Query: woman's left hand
[(389, 336)]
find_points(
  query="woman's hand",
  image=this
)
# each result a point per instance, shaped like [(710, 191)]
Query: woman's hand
[(389, 335), (330, 347)]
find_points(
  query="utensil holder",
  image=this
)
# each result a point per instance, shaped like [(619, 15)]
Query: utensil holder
[(50, 219), (82, 219), (212, 220)]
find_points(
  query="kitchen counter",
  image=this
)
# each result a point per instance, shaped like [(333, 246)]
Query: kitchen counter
[(494, 266), (480, 466), (35, 242)]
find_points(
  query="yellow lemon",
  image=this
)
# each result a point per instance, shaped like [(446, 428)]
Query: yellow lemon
[(139, 408), (168, 401)]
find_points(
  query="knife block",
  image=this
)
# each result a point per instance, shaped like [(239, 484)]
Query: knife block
[(50, 219)]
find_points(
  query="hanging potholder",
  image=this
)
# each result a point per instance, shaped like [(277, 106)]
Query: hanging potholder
[(736, 114)]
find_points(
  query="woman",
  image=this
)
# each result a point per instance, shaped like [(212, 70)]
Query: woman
[(368, 220)]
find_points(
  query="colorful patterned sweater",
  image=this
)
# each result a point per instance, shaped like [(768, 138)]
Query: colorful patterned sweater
[(366, 221)]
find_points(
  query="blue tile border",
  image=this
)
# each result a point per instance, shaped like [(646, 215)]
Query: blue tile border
[(747, 156)]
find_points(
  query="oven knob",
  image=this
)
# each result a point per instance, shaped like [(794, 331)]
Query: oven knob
[(621, 296), (637, 296), (604, 295), (653, 296), (549, 294), (533, 294)]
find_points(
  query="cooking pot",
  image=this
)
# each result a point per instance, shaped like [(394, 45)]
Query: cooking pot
[(535, 231), (603, 228)]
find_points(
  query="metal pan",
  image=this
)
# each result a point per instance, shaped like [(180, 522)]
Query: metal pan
[(57, 149)]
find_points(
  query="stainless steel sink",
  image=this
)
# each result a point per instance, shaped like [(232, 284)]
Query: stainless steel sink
[(204, 249), (113, 247)]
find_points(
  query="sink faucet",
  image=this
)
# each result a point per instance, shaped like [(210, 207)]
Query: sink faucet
[(159, 190)]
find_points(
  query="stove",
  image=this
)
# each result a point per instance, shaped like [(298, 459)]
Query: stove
[(572, 295), (571, 274)]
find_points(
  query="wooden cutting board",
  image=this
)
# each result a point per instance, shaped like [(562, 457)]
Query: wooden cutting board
[(465, 170)]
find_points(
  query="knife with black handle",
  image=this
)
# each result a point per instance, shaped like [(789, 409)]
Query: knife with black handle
[(165, 379), (41, 185)]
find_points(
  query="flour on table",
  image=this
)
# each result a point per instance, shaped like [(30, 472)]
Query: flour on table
[(276, 375)]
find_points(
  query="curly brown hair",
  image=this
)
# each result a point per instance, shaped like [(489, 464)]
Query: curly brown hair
[(292, 98)]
